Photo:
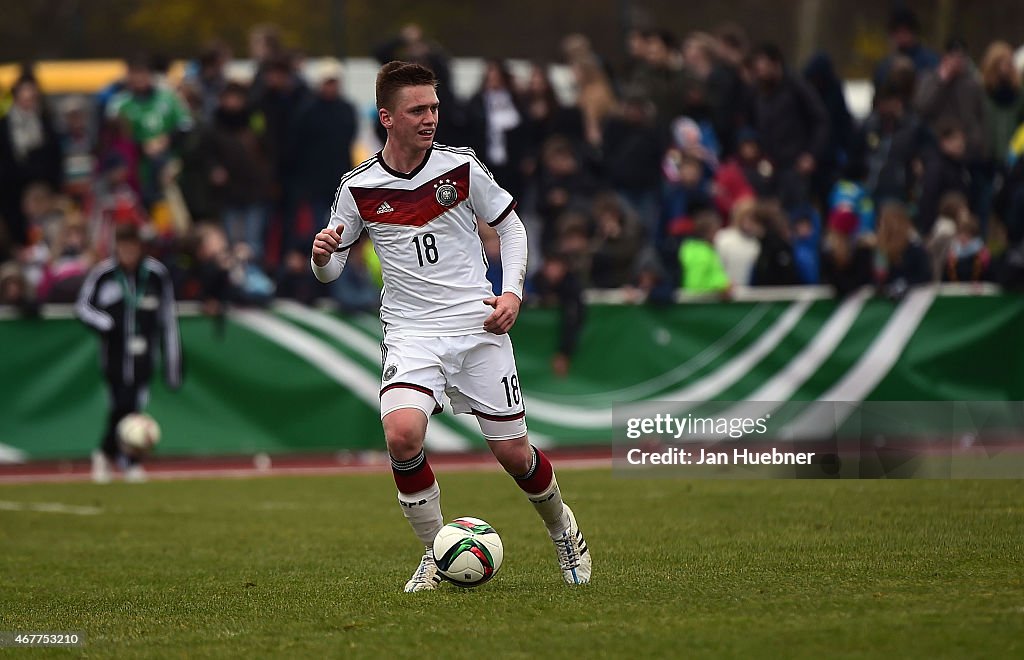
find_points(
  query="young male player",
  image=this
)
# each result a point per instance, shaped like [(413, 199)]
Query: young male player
[(419, 203), (129, 301)]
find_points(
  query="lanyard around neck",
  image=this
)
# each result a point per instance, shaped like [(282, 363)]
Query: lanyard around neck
[(133, 294)]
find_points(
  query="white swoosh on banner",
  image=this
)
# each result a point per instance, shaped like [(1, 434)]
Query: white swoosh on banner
[(339, 367), (354, 339), (702, 390), (770, 396), (821, 419), (9, 454), (675, 375)]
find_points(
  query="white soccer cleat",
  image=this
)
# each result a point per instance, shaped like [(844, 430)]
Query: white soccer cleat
[(135, 474), (425, 578), (100, 468), (573, 554)]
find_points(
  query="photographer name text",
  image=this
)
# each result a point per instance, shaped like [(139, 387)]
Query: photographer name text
[(701, 456)]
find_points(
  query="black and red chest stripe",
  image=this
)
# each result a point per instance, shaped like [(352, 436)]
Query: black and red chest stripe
[(416, 207)]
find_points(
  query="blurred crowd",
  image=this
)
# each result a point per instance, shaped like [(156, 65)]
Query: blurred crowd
[(704, 163)]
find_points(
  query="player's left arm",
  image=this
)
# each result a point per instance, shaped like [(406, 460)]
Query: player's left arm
[(512, 237), (495, 205), (168, 321)]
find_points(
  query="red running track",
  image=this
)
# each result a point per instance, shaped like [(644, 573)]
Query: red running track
[(262, 465)]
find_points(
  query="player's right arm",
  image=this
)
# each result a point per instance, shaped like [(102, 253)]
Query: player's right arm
[(85, 307), (332, 243)]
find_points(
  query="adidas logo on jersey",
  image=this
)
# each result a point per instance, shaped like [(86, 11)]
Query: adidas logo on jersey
[(384, 208)]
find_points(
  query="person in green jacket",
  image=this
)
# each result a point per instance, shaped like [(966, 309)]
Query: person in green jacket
[(157, 119), (702, 269)]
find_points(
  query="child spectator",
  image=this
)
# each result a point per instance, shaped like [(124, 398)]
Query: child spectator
[(557, 286), (701, 268), (117, 203), (776, 263), (574, 244), (739, 244), (688, 167), (45, 222), (687, 192), (616, 244), (901, 260), (64, 274), (14, 290), (44, 214), (945, 170), (953, 213), (563, 186), (969, 259), (806, 233), (292, 281), (757, 169), (850, 204), (847, 257), (732, 186)]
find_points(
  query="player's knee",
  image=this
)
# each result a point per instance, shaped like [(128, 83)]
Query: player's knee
[(404, 434), (404, 442), (513, 455)]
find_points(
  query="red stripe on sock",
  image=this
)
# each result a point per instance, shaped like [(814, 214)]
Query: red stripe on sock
[(541, 478), (414, 482)]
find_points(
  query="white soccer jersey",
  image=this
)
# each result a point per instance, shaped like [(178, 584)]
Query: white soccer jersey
[(424, 229)]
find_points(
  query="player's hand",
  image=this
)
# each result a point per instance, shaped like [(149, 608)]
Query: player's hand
[(506, 311), (325, 244)]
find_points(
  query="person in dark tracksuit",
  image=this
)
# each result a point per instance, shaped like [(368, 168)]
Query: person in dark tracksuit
[(129, 301)]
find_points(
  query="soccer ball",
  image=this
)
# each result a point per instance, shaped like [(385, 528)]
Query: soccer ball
[(468, 552), (138, 433)]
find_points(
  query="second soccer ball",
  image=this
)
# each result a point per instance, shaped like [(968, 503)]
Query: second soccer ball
[(138, 433)]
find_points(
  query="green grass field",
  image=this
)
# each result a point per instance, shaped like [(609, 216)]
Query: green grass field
[(313, 567)]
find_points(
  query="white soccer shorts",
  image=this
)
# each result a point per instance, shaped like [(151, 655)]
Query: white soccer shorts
[(477, 373)]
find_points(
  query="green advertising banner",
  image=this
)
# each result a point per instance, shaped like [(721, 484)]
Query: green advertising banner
[(294, 379)]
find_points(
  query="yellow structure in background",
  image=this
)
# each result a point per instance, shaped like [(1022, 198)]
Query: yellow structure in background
[(75, 76), (63, 77)]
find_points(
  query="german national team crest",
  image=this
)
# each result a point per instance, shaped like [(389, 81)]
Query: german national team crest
[(390, 372), (445, 193)]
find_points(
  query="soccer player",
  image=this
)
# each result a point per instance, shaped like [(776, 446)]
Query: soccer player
[(444, 330), (129, 301)]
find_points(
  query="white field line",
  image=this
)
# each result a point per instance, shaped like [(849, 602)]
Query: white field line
[(50, 507)]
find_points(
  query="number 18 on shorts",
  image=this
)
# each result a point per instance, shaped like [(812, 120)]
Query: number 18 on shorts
[(477, 372)]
